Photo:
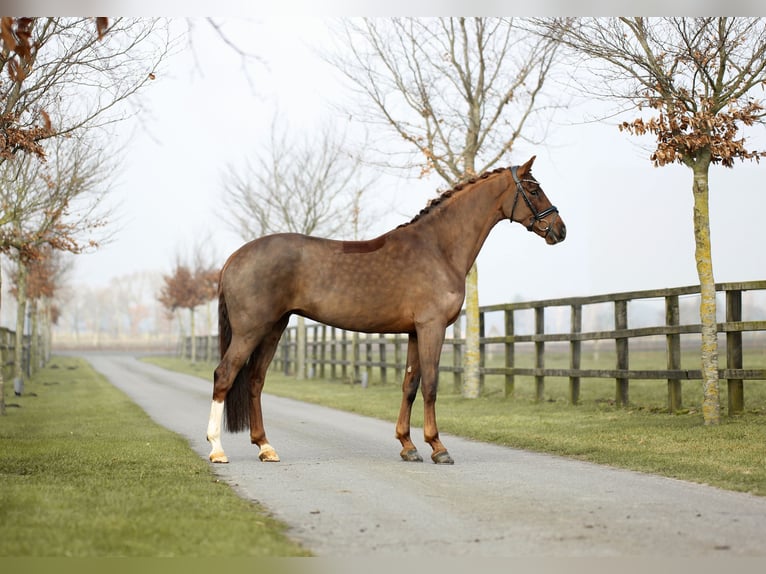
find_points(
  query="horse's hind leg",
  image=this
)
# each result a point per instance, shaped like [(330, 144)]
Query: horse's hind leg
[(225, 373), (409, 392), (262, 359)]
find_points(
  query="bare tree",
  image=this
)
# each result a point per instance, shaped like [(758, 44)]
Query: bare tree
[(460, 92), (181, 291), (189, 286), (83, 71), (298, 184), (62, 80), (697, 80), (207, 273), (51, 206)]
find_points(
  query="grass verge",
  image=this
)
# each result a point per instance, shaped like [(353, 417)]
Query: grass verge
[(730, 456), (84, 472)]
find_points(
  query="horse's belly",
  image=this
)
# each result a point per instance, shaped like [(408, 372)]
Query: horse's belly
[(376, 309), (363, 314)]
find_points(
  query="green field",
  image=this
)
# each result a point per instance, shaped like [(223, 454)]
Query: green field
[(84, 472), (642, 436)]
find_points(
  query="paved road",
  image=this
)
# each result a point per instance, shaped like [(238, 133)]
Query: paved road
[(343, 490)]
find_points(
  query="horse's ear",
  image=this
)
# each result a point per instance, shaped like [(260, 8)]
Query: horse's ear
[(527, 167)]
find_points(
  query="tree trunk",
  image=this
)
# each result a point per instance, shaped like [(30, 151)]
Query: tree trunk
[(45, 316), (2, 359), (34, 338), (193, 340), (471, 357), (209, 353), (711, 409), (178, 314), (21, 308)]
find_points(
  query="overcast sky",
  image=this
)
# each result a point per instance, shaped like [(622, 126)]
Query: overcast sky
[(629, 225)]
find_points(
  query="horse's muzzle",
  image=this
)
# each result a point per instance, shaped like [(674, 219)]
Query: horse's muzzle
[(557, 232)]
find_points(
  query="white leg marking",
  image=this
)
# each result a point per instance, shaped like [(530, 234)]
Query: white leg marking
[(214, 433), (268, 454)]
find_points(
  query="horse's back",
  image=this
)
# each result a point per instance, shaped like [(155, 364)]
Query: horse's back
[(347, 284), (294, 263), (284, 254)]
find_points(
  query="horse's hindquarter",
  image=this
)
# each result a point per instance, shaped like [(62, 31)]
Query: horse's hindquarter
[(257, 280)]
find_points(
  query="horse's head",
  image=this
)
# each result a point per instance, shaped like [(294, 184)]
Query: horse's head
[(527, 204)]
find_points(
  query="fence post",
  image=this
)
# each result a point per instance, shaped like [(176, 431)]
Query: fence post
[(457, 356), (623, 360), (344, 354), (510, 354), (312, 358), (276, 364), (539, 353), (355, 355), (482, 353), (382, 355), (286, 352), (333, 354), (673, 344), (323, 353), (734, 352), (368, 356), (574, 353), (398, 361)]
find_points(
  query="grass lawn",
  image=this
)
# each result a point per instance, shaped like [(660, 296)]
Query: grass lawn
[(640, 437), (84, 472)]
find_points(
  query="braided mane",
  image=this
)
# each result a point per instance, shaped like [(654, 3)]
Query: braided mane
[(435, 202)]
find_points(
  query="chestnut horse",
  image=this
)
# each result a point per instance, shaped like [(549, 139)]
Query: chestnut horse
[(409, 280)]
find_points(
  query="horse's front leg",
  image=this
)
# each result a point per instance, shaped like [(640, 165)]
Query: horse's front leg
[(430, 340), (409, 392)]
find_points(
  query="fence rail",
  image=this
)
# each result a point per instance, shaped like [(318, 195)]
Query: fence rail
[(338, 354)]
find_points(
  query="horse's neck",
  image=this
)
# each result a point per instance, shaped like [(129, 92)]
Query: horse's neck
[(467, 219)]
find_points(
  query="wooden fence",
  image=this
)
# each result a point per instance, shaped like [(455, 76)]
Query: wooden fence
[(7, 347), (339, 354), (207, 347)]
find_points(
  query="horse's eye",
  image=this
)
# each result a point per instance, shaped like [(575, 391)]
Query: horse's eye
[(533, 192)]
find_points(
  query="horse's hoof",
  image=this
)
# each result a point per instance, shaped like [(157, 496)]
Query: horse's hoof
[(219, 457), (268, 454), (442, 457), (411, 455)]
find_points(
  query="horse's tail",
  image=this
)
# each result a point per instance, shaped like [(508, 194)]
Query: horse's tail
[(237, 402)]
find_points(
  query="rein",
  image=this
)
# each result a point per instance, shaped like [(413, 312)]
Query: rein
[(536, 216)]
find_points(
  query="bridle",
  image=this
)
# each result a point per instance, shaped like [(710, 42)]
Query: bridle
[(536, 216)]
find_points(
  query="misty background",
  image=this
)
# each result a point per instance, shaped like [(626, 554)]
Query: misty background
[(211, 108)]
